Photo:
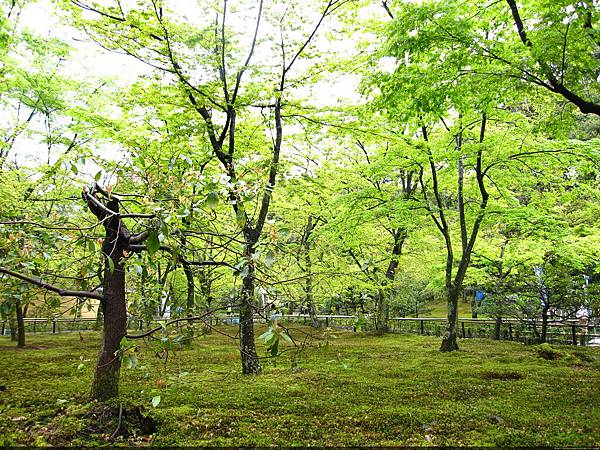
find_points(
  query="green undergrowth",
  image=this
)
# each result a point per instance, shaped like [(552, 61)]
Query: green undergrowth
[(349, 390)]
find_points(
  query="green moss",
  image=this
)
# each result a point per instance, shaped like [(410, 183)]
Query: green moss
[(359, 390)]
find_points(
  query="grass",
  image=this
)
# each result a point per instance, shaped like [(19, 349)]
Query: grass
[(440, 309), (359, 390)]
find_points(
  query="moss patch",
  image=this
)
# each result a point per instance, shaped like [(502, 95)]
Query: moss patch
[(358, 390)]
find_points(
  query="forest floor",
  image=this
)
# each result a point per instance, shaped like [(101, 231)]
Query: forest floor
[(347, 389)]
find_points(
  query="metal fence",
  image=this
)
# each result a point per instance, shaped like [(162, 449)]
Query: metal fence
[(570, 332), (566, 332)]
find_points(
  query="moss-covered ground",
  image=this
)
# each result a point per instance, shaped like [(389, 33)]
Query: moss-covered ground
[(349, 390)]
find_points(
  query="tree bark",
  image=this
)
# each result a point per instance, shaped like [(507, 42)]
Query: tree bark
[(250, 361), (450, 341), (497, 326), (544, 331), (12, 323), (116, 241), (20, 324), (106, 376), (310, 298), (474, 304), (382, 312)]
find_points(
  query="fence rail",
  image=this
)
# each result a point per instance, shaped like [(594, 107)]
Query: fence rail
[(566, 332)]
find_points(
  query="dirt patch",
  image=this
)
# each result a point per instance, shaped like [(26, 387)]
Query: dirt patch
[(504, 376)]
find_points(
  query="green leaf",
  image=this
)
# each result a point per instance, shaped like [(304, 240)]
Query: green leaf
[(245, 271), (98, 176), (267, 335), (126, 361), (155, 401), (153, 243), (111, 264), (212, 200), (91, 246), (287, 337), (240, 217), (269, 258)]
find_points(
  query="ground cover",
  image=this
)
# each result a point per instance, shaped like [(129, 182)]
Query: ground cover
[(351, 389)]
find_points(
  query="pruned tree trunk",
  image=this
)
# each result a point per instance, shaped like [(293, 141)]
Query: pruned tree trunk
[(108, 366), (114, 308)]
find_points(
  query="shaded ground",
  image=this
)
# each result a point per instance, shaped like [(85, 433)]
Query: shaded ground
[(359, 390)]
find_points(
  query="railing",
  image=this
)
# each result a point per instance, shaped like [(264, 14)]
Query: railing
[(64, 325), (571, 333), (568, 332)]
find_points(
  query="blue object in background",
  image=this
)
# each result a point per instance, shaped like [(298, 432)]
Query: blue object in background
[(479, 296)]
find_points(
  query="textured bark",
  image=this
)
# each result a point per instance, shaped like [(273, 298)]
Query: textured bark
[(116, 241), (108, 366), (450, 339), (250, 361)]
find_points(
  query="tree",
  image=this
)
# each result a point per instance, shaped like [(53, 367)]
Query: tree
[(156, 36)]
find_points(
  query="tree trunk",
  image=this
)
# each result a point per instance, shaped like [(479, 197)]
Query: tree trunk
[(497, 326), (106, 376), (20, 324), (190, 300), (544, 332), (250, 361), (474, 305), (12, 325), (308, 288), (450, 339), (114, 308), (382, 312)]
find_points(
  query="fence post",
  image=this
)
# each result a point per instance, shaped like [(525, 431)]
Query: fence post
[(510, 334), (53, 326), (3, 327), (462, 324), (574, 334), (141, 323), (422, 326), (327, 321), (34, 322)]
